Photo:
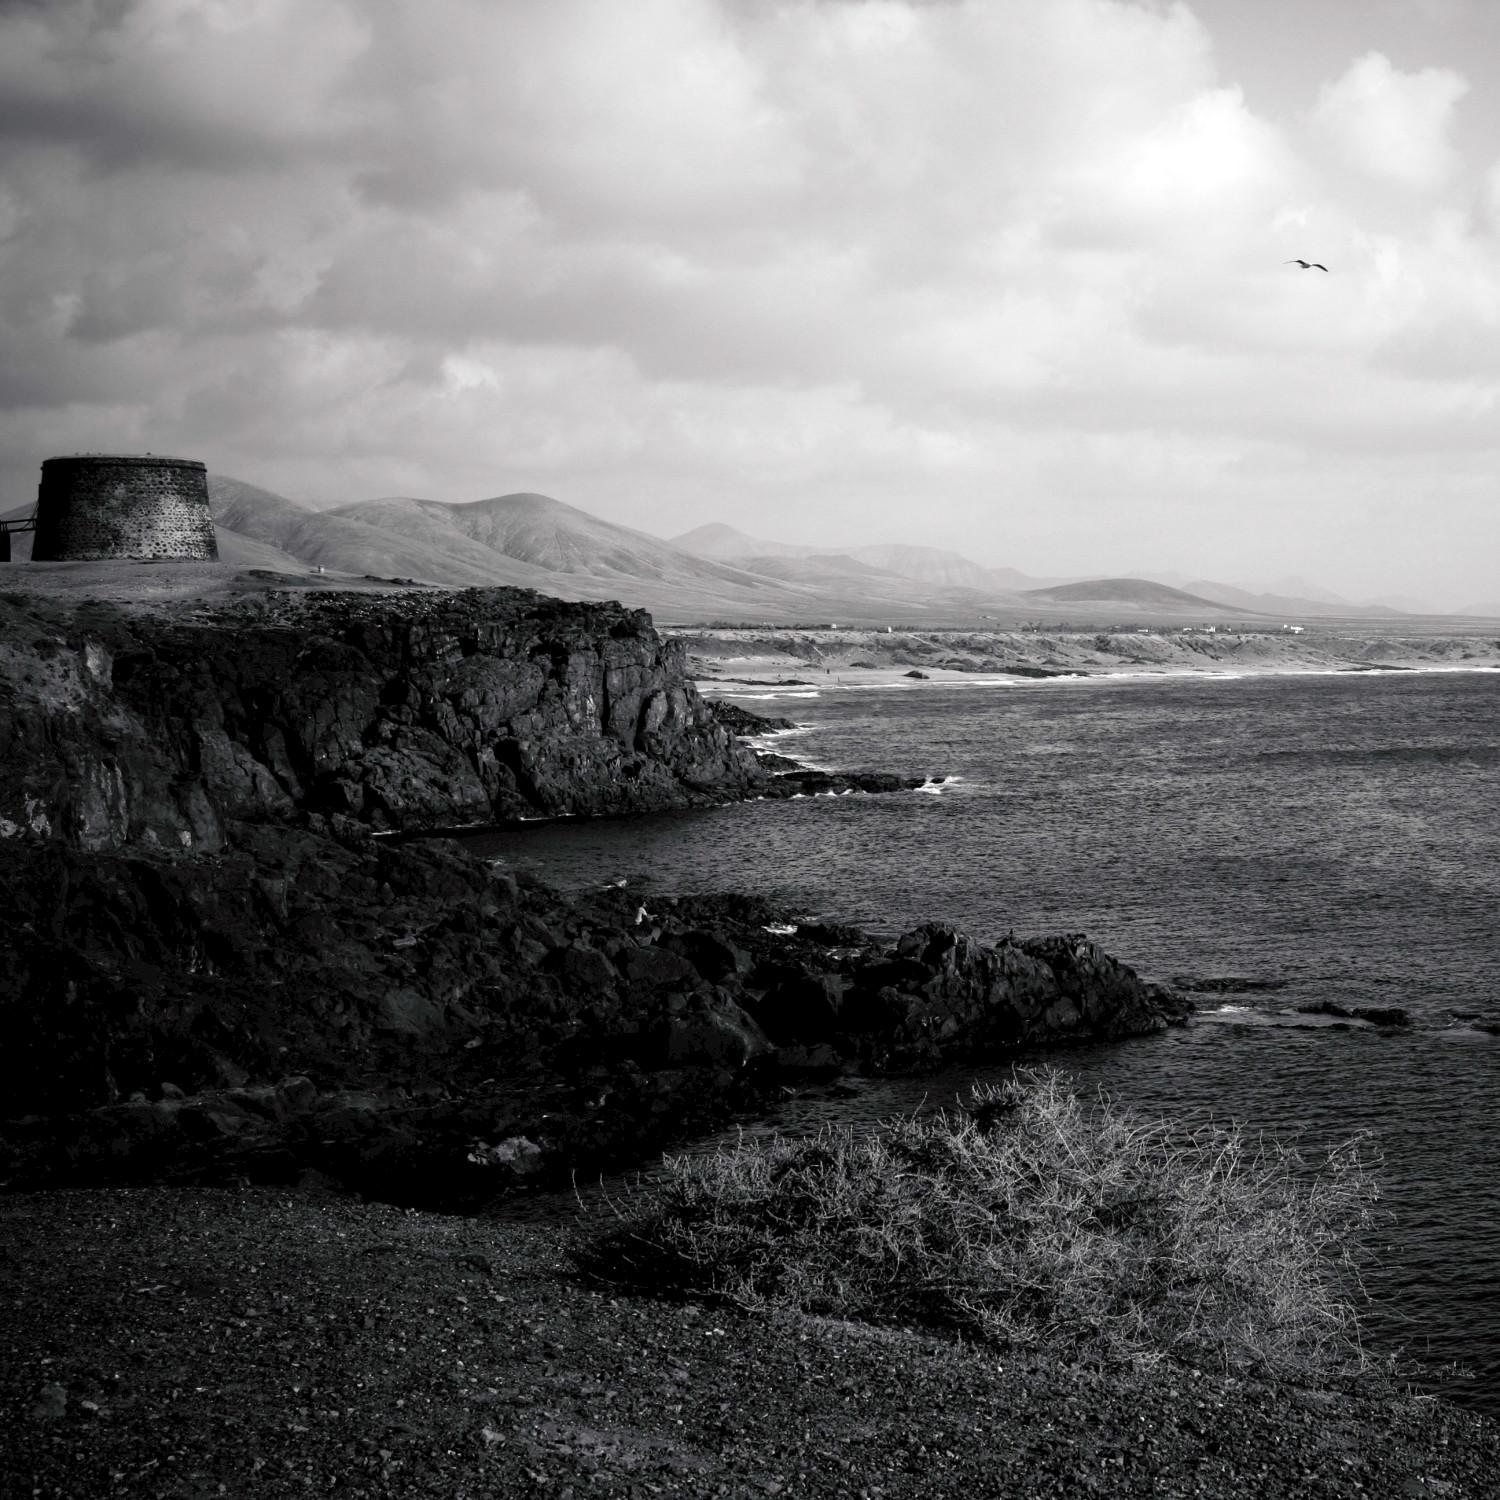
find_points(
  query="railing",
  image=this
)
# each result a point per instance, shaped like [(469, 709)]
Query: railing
[(26, 523)]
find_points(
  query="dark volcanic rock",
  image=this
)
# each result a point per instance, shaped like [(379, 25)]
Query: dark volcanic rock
[(739, 720), (941, 994), (213, 970), (152, 1007), (715, 957), (1376, 1015), (807, 783), (403, 712), (771, 761), (392, 1015)]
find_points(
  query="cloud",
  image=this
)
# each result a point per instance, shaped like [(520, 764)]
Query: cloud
[(1390, 124), (846, 262), (207, 85)]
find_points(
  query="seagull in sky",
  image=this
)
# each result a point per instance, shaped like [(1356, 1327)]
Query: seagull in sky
[(1307, 265)]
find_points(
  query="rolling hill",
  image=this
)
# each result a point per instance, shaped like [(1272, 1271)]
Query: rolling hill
[(241, 551), (933, 566), (1137, 594), (526, 540), (344, 544), (821, 566), (537, 542), (548, 535), (1318, 605), (712, 572), (730, 544)]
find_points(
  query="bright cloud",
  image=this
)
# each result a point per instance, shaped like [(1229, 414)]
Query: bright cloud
[(1005, 272), (1391, 124)]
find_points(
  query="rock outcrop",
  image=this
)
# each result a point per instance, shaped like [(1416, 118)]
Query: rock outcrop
[(744, 721), (405, 1018), (212, 968), (400, 711)]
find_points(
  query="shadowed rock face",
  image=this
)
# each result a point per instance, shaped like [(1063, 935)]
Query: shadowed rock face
[(403, 712), (211, 969), (400, 1016)]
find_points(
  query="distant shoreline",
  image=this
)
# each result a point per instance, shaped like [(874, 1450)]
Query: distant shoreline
[(712, 685), (788, 662)]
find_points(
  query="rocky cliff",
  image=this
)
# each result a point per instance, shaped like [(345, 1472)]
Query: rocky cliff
[(212, 967), (400, 711), (409, 1020)]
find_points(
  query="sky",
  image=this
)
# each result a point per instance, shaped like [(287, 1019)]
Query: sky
[(1005, 276)]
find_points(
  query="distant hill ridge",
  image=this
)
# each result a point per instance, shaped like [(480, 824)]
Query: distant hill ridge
[(1128, 591), (934, 565), (547, 534), (714, 571), (525, 540), (1321, 602)]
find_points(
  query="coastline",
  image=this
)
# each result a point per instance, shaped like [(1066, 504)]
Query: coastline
[(802, 663), (170, 1341), (259, 984), (181, 1343), (846, 681)]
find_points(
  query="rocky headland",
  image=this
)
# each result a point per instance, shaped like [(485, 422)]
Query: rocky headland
[(401, 712), (236, 949), (242, 962)]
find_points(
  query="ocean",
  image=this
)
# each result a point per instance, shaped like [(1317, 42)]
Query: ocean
[(1267, 842)]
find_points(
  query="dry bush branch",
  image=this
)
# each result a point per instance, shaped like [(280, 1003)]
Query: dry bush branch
[(1033, 1217)]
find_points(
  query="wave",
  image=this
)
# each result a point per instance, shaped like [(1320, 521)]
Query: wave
[(775, 693), (1441, 755), (930, 682)]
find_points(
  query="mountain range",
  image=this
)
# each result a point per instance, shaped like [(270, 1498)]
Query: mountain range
[(1159, 591), (711, 572)]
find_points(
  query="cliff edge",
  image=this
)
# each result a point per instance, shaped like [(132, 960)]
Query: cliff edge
[(214, 970), (401, 711)]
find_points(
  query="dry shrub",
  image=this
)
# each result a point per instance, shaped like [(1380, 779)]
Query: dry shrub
[(1030, 1218)]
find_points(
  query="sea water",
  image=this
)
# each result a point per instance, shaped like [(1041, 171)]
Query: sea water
[(1269, 843)]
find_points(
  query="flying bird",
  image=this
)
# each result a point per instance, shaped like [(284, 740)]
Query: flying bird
[(1307, 265)]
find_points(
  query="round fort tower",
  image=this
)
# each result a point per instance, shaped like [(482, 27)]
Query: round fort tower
[(100, 506)]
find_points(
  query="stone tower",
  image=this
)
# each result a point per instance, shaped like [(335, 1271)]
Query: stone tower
[(100, 506)]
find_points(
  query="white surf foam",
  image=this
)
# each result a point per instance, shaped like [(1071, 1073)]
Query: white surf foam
[(935, 787)]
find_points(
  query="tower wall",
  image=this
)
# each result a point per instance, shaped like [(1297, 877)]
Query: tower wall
[(99, 506)]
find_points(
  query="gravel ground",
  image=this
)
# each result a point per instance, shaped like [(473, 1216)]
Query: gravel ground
[(263, 1343)]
